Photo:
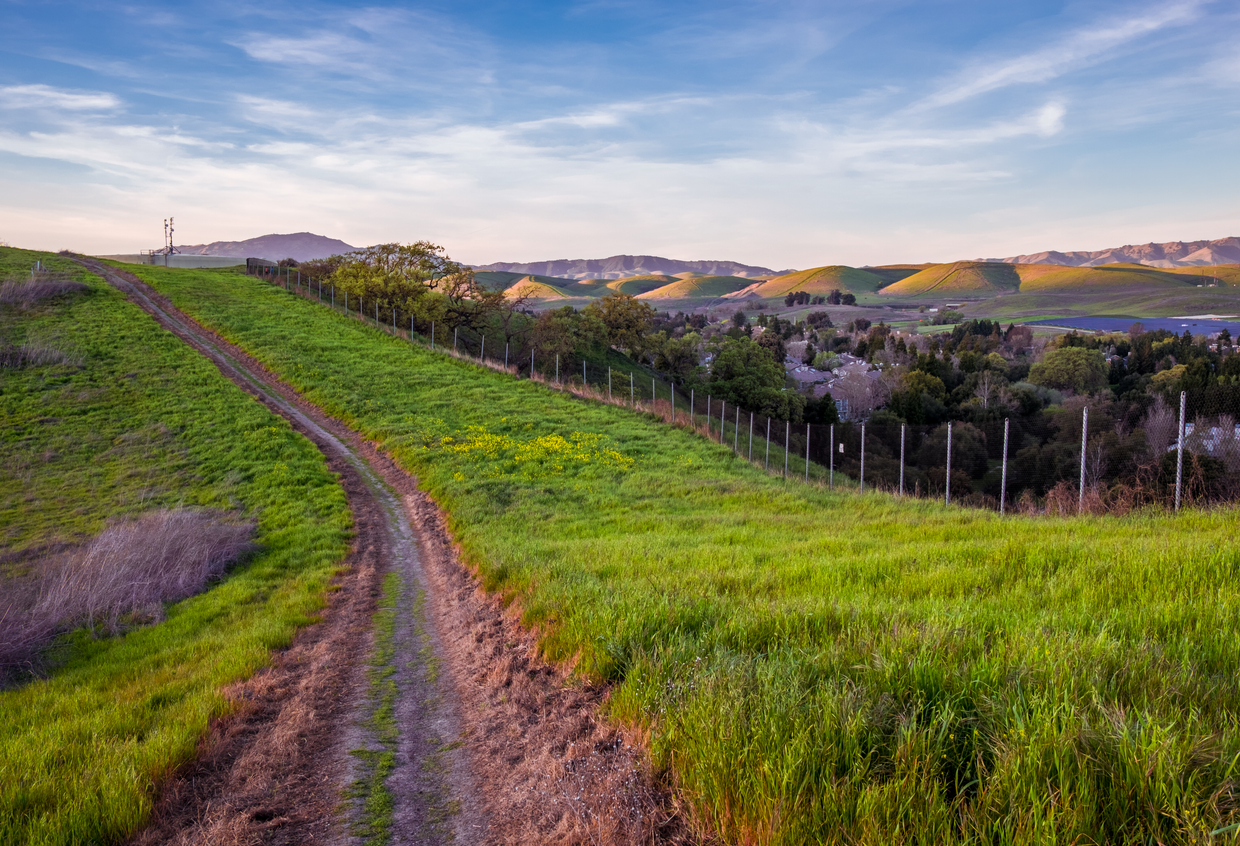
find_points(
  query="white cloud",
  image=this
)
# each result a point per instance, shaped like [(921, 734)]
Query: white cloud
[(46, 96), (1077, 50)]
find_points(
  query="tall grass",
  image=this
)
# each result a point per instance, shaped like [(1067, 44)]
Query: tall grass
[(141, 424), (124, 575), (810, 666)]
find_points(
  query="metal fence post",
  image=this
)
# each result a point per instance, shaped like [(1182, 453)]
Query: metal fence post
[(768, 444), (807, 452), (751, 436), (692, 418), (333, 297), (672, 388), (455, 335), (482, 353), (393, 321), (831, 460), (531, 363), (557, 368), (708, 415), (736, 432), (432, 336), (653, 396), (1080, 499), (902, 426), (787, 438), (1003, 474), (947, 495), (861, 488), (609, 384), (632, 396), (723, 411), (506, 355), (1179, 452)]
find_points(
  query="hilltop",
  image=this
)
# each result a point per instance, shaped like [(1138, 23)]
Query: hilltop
[(303, 246), (1169, 254), (626, 266)]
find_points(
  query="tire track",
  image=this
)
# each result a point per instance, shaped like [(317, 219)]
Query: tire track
[(529, 760)]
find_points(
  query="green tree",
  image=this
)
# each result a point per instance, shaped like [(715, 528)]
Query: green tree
[(568, 333), (1071, 369), (678, 357), (745, 373), (626, 318)]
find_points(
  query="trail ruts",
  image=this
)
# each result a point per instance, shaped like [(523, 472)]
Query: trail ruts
[(497, 748)]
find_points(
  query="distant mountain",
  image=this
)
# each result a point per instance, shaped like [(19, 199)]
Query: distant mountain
[(622, 267), (302, 246), (1170, 254)]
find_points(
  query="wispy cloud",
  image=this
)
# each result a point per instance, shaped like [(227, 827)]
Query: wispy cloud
[(46, 96), (1074, 51)]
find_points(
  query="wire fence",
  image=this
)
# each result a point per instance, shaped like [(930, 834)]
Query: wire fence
[(1091, 455)]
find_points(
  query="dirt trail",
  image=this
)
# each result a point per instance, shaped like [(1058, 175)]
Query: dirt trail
[(490, 745)]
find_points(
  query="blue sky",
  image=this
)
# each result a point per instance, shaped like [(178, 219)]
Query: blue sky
[(782, 134)]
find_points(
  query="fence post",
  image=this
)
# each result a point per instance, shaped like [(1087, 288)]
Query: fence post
[(482, 352), (768, 444), (608, 384), (831, 461), (432, 336), (692, 419), (1003, 474), (393, 322), (807, 452), (751, 437), (632, 396), (787, 438), (411, 329), (1179, 452), (531, 363), (376, 314), (672, 388), (583, 373), (653, 396), (861, 489), (456, 332), (902, 459), (346, 303), (506, 356), (1080, 499), (333, 297), (557, 368), (947, 496), (736, 432), (723, 411)]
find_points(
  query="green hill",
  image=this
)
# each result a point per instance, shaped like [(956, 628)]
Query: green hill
[(699, 286), (536, 287), (822, 280), (638, 285), (895, 272), (961, 278)]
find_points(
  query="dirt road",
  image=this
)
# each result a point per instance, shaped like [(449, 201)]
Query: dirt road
[(415, 688)]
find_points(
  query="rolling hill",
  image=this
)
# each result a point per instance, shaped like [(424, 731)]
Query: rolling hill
[(821, 280), (961, 278), (698, 286), (637, 285)]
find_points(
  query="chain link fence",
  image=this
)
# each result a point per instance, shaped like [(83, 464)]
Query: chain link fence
[(1085, 455)]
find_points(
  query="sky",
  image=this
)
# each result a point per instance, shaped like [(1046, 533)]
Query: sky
[(786, 135)]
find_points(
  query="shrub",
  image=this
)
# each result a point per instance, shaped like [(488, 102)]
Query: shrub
[(42, 286)]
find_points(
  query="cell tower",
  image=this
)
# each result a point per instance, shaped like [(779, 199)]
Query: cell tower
[(169, 228)]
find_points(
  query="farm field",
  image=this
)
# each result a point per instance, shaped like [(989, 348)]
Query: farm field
[(130, 422), (809, 666)]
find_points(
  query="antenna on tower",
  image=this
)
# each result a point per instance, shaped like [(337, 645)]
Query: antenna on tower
[(171, 249)]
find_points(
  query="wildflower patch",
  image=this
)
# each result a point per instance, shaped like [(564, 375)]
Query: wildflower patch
[(545, 455)]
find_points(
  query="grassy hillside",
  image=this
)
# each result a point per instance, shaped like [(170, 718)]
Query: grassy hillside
[(812, 667), (698, 286), (636, 285), (535, 287), (137, 422), (962, 278), (822, 280), (895, 272)]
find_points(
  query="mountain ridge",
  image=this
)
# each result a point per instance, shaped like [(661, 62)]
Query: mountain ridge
[(625, 266), (1166, 255), (302, 246)]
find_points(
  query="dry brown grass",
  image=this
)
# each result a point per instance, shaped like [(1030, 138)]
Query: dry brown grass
[(40, 286), (122, 577)]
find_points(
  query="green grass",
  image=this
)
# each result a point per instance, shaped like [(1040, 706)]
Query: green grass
[(962, 278), (698, 286), (811, 667), (143, 423), (823, 280)]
